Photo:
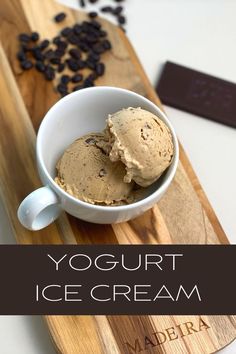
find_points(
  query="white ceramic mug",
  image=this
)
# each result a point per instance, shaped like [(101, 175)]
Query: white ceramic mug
[(80, 113)]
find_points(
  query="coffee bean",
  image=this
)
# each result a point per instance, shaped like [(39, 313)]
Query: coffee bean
[(58, 53), (98, 49), (73, 65), (64, 94), (86, 26), (117, 10), (92, 76), (61, 67), (77, 78), (44, 44), (95, 24), (91, 39), (106, 9), (82, 3), (102, 33), (84, 47), (62, 45), (21, 55), (106, 44), (85, 37), (92, 14), (66, 31), (37, 54), (121, 20), (72, 38), (93, 1), (39, 65), (93, 57), (49, 73), (62, 88), (56, 61), (75, 53), (59, 17), (56, 40), (24, 47), (23, 37), (88, 82), (49, 54), (82, 64), (78, 87), (100, 69), (77, 29), (26, 64), (65, 79), (91, 65), (34, 36)]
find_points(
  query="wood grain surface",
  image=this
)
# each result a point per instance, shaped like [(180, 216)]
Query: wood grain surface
[(184, 214)]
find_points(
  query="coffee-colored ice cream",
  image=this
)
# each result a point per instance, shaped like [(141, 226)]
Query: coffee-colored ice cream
[(87, 173), (141, 141), (109, 168)]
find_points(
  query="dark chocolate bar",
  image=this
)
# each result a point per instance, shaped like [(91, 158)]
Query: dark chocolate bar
[(198, 93)]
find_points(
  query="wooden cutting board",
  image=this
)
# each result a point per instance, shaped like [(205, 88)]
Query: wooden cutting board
[(184, 215)]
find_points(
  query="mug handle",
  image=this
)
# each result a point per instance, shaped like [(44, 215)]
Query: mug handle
[(39, 209)]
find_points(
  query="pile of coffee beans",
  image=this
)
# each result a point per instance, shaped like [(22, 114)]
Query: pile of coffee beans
[(116, 10), (77, 49)]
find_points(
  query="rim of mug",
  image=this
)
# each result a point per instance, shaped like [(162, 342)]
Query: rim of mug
[(145, 200)]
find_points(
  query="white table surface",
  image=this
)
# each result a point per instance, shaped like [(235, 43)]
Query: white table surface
[(197, 33)]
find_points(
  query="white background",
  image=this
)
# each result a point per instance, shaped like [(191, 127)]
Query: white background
[(197, 33)]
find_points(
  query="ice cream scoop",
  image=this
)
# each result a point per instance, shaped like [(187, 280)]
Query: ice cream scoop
[(141, 141), (87, 173)]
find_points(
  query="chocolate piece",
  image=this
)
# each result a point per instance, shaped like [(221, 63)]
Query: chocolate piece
[(198, 93)]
